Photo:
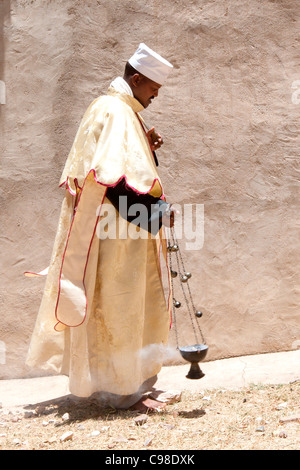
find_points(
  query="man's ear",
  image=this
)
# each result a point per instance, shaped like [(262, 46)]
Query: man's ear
[(136, 79)]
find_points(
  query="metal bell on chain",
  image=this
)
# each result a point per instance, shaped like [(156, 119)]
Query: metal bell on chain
[(174, 274), (198, 314), (173, 248), (185, 277), (177, 304)]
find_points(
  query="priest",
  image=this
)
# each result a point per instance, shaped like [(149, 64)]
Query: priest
[(104, 318)]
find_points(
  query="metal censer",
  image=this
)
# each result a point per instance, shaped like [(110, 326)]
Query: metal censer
[(196, 352)]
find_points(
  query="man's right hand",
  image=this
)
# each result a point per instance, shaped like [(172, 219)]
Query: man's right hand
[(168, 219)]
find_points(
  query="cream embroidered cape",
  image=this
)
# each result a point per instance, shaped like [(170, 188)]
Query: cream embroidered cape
[(103, 305), (112, 142)]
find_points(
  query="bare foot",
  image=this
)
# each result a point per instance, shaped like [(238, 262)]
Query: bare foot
[(146, 404), (172, 396)]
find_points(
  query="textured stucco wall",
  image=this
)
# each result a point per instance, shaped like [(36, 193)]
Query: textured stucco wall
[(229, 115)]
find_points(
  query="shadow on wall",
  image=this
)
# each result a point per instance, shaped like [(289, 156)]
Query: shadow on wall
[(4, 12)]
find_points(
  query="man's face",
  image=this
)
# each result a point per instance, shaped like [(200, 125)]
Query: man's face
[(144, 90)]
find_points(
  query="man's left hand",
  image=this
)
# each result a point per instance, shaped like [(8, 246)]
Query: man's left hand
[(155, 139)]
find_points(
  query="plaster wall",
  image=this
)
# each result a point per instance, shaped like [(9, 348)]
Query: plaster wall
[(229, 115)]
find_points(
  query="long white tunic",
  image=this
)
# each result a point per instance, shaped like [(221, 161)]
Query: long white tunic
[(103, 318)]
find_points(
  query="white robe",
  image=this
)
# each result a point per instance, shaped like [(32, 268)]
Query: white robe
[(104, 319)]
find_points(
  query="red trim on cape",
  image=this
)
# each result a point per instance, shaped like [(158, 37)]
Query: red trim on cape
[(92, 238), (66, 182), (112, 185), (87, 258)]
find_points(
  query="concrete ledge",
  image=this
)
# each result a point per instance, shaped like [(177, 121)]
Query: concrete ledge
[(234, 373)]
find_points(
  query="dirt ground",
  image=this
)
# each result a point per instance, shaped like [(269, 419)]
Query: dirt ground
[(254, 418)]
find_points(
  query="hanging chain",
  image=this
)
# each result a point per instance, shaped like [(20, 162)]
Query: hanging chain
[(179, 260), (173, 300), (193, 318)]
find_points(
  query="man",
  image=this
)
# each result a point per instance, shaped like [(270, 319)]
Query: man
[(103, 320)]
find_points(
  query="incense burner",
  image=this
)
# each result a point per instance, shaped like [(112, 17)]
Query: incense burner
[(194, 354)]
